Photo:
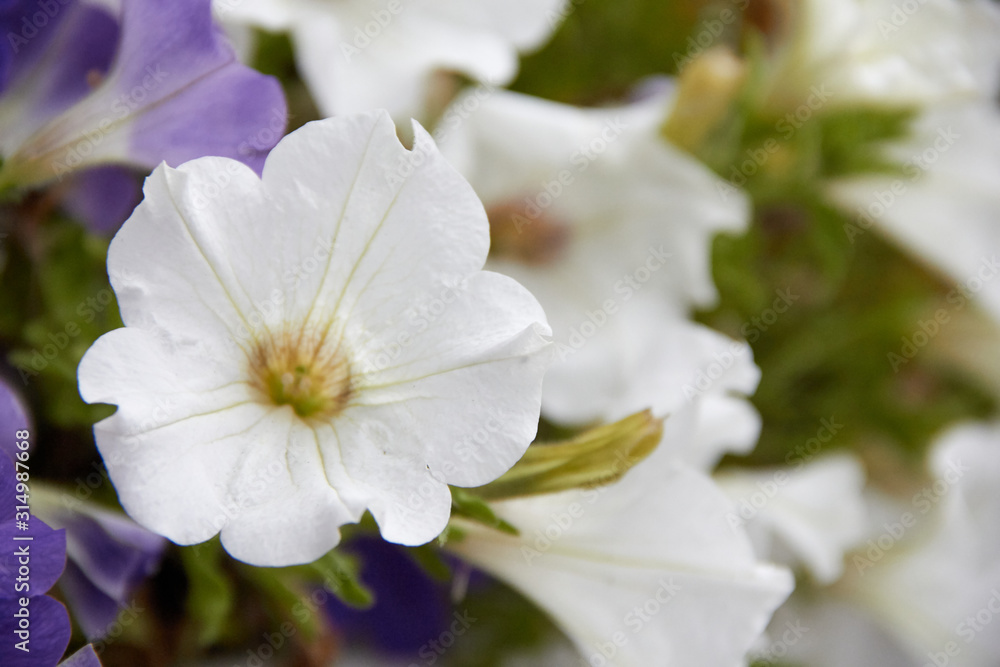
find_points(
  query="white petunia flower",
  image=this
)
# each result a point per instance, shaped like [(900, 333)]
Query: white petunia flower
[(303, 347), (883, 52), (924, 588), (363, 54), (645, 571)]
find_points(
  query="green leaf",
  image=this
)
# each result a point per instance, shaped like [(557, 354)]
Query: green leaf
[(340, 573), (470, 506)]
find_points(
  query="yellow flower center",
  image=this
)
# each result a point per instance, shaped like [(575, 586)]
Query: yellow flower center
[(307, 372)]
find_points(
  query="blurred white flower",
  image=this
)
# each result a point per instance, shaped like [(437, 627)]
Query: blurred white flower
[(924, 588), (941, 59), (647, 357), (324, 343), (591, 204), (357, 55), (611, 228), (810, 514), (943, 586), (883, 53), (645, 571), (945, 205)]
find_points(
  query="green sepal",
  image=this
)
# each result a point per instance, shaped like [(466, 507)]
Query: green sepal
[(596, 457)]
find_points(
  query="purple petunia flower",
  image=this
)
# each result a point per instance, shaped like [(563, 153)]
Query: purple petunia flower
[(34, 628), (109, 557), (133, 82)]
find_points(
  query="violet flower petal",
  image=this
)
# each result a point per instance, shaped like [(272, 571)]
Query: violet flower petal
[(77, 59), (46, 548), (184, 91), (93, 609), (85, 657), (114, 553), (103, 197), (13, 418), (49, 632), (410, 606), (26, 38)]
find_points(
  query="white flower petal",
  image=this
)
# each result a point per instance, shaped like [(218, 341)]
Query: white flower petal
[(439, 368), (179, 271), (370, 213), (287, 472)]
